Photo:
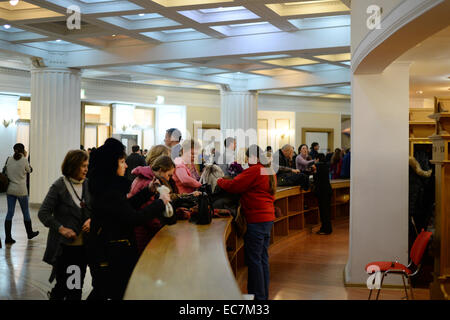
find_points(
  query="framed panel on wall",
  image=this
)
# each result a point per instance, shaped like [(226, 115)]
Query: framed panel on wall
[(282, 127)]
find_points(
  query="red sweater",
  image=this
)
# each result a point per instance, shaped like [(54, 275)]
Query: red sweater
[(256, 200)]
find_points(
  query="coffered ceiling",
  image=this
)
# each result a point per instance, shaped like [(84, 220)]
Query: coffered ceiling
[(297, 48)]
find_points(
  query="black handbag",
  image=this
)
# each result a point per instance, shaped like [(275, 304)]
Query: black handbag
[(4, 181), (205, 211)]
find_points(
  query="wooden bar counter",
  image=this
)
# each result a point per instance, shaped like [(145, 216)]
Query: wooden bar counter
[(186, 261)]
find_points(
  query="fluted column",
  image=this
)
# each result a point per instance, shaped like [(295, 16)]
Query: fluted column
[(55, 124), (239, 117)]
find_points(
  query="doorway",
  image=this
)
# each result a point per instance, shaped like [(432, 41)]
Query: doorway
[(324, 137)]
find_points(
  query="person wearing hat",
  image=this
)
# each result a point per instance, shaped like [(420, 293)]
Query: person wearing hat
[(112, 249)]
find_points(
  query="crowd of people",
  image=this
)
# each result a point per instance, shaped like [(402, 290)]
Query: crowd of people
[(107, 205)]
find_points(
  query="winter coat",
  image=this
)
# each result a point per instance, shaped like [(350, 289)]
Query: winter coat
[(114, 218), (256, 199), (183, 178), (144, 233), (59, 209)]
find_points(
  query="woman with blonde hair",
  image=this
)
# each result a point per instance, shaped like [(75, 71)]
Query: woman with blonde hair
[(155, 152)]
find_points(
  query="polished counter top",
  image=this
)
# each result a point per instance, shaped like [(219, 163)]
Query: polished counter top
[(185, 261)]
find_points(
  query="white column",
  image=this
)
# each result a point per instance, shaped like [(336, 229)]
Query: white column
[(239, 110), (8, 128), (55, 124), (379, 171), (239, 116)]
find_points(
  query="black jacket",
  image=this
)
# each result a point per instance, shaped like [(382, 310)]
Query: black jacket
[(313, 154), (117, 215), (322, 185), (285, 165), (134, 160), (114, 217)]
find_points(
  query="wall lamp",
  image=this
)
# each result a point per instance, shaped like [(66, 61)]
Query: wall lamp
[(6, 123)]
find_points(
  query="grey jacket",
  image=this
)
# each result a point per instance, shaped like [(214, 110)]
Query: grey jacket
[(59, 209)]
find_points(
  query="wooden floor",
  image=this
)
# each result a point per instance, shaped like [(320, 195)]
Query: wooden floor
[(303, 267), (311, 267)]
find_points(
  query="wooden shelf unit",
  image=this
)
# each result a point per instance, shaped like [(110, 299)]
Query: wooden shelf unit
[(421, 127), (294, 219), (441, 236)]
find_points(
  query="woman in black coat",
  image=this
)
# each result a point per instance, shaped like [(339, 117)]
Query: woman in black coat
[(323, 192), (112, 246), (65, 213)]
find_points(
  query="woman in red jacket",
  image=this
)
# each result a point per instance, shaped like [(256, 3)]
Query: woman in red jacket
[(257, 186)]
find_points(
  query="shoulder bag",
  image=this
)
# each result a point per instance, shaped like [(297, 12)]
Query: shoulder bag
[(4, 181)]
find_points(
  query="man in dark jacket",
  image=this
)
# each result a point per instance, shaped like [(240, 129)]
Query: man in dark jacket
[(133, 161), (314, 150), (323, 192)]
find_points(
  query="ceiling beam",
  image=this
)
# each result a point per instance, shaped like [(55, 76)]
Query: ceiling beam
[(307, 41), (302, 79)]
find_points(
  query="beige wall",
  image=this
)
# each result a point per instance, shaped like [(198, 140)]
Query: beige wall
[(204, 114), (318, 120)]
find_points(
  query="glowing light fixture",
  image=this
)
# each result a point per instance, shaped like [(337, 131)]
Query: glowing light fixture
[(141, 14), (6, 26), (290, 62), (336, 57), (160, 99), (13, 2)]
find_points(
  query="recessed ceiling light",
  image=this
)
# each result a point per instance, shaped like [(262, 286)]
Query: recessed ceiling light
[(141, 14), (58, 40), (13, 2), (113, 35), (419, 92), (6, 26)]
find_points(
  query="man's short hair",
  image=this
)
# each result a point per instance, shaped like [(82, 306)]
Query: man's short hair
[(228, 141), (174, 134), (314, 144), (135, 148)]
